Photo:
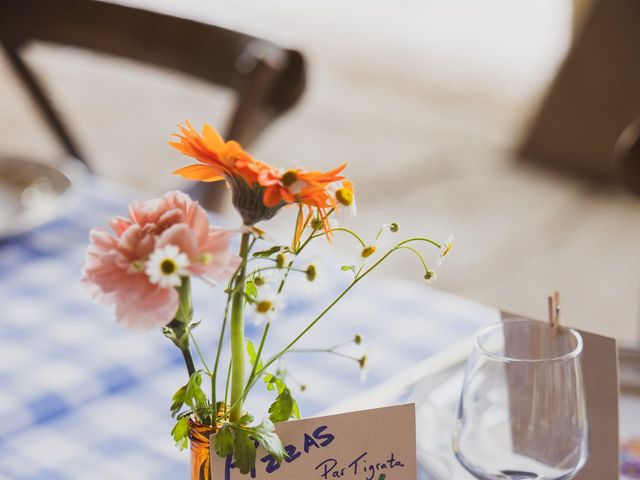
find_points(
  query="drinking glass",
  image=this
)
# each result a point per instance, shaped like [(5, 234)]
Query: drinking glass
[(521, 413)]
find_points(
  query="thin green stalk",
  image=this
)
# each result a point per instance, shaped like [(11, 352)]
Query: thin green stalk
[(199, 352), (214, 374), (309, 327), (237, 334), (258, 353), (418, 254), (419, 239), (226, 388), (345, 230), (323, 350)]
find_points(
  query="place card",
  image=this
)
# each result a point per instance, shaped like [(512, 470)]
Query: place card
[(377, 444)]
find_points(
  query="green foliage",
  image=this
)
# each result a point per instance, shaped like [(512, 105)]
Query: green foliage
[(285, 406), (244, 451), (267, 253), (194, 397), (180, 433), (242, 440), (282, 409), (265, 435), (251, 351), (224, 441), (178, 400), (250, 289)]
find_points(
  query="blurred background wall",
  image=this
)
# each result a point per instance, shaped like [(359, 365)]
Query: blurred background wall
[(427, 101)]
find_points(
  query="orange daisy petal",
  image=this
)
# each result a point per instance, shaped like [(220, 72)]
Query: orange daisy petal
[(204, 173), (271, 196)]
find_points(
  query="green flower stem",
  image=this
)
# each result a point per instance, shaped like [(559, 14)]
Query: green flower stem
[(199, 352), (323, 350), (418, 254), (252, 375), (226, 389), (188, 360), (420, 239), (237, 335), (345, 230), (355, 281), (214, 373), (309, 327), (179, 326)]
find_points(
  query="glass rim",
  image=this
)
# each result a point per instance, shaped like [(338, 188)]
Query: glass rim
[(574, 353)]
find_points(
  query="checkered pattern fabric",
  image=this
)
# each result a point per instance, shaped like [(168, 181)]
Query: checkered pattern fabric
[(82, 398)]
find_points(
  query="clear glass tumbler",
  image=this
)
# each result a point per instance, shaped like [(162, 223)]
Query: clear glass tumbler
[(521, 413)]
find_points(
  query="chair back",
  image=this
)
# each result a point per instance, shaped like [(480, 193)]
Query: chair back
[(268, 77)]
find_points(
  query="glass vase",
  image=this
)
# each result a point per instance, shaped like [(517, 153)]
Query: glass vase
[(199, 439)]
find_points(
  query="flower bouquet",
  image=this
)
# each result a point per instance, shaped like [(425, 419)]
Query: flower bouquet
[(145, 265)]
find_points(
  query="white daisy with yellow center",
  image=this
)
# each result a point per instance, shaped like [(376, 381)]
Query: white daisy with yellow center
[(445, 248), (345, 199), (266, 306), (166, 266)]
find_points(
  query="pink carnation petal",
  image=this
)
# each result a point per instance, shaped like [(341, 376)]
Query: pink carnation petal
[(119, 225), (153, 311), (182, 237)]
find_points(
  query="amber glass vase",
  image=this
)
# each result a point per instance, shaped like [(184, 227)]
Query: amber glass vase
[(199, 438)]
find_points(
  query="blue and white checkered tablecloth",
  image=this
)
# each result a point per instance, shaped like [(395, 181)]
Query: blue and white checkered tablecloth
[(80, 397)]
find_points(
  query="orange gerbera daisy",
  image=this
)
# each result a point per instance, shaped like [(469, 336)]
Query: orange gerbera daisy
[(219, 159), (259, 190)]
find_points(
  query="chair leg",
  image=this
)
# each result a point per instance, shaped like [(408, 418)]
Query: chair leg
[(248, 119), (43, 103)]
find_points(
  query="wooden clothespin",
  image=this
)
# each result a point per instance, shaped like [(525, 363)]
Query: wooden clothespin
[(554, 310)]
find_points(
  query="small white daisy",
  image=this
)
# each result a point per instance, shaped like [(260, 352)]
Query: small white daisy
[(266, 306), (371, 249), (166, 266), (345, 199), (445, 248)]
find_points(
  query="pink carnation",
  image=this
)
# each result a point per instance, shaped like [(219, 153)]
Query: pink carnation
[(114, 269)]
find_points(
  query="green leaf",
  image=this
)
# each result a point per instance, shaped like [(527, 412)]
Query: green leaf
[(178, 400), (280, 385), (194, 396), (265, 434), (244, 451), (269, 379), (180, 433), (246, 419), (346, 268), (250, 289), (224, 441), (251, 351), (267, 253), (282, 409), (296, 410)]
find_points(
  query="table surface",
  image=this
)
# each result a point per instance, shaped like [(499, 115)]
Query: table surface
[(80, 394)]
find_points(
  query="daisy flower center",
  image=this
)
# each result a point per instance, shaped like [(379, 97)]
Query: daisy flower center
[(311, 272), (168, 266), (344, 196), (264, 306), (368, 251)]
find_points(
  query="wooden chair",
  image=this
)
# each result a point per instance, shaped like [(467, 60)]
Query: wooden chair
[(268, 78)]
